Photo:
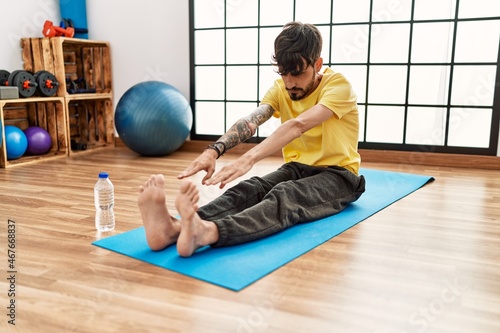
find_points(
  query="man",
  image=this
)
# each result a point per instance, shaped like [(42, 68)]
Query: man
[(318, 136)]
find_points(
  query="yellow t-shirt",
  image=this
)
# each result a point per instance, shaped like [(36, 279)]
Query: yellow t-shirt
[(335, 141)]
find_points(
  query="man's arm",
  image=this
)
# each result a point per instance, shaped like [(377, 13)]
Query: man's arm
[(284, 134), (245, 128), (241, 131)]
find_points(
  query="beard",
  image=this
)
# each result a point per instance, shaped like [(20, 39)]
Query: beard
[(297, 93)]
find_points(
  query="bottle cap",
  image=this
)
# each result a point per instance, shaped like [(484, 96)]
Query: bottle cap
[(103, 175)]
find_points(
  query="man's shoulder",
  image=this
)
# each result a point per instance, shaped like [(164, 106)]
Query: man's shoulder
[(329, 75)]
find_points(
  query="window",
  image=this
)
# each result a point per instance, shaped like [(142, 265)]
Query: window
[(426, 72)]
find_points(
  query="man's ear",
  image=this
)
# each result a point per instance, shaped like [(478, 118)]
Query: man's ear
[(318, 64)]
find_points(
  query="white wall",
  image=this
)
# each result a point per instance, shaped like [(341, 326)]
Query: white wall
[(22, 19), (149, 38)]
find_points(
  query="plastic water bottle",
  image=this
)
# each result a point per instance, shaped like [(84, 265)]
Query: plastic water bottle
[(104, 198)]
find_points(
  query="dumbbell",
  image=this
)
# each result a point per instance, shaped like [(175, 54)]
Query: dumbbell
[(24, 81), (50, 30), (27, 83), (47, 83), (4, 77), (7, 92), (68, 23), (78, 145)]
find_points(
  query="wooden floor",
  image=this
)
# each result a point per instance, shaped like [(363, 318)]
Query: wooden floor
[(428, 263)]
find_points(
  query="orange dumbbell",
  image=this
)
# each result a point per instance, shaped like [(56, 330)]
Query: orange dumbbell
[(50, 30)]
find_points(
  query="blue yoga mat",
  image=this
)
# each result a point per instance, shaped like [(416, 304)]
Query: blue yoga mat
[(238, 266), (76, 11)]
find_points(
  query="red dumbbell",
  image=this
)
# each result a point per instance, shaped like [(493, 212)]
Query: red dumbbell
[(50, 30)]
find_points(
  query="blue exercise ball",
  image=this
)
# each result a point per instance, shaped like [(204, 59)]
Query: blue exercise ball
[(153, 118), (16, 142)]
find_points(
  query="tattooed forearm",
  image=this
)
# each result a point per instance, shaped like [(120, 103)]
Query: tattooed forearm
[(244, 128), (239, 132), (261, 115)]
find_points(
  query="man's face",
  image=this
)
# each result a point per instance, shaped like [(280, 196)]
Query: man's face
[(302, 84)]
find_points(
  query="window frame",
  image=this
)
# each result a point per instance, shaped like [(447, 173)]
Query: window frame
[(366, 104)]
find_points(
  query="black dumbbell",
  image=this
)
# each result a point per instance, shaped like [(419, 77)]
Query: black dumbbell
[(47, 83), (24, 81), (4, 77), (68, 23), (78, 145)]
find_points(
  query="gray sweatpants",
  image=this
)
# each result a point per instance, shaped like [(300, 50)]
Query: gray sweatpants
[(295, 193)]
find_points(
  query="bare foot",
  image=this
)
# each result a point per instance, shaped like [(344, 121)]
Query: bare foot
[(195, 232), (162, 229)]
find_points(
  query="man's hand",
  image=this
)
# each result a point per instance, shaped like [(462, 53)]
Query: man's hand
[(230, 172), (206, 161)]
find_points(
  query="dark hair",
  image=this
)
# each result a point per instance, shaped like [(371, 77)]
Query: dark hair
[(296, 43)]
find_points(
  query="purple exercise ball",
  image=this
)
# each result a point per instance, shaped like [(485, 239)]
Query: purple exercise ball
[(39, 141)]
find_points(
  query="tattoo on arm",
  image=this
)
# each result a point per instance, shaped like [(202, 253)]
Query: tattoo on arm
[(244, 128)]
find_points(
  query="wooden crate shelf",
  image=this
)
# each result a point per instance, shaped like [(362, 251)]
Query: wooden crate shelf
[(90, 123), (89, 116), (48, 113), (72, 59)]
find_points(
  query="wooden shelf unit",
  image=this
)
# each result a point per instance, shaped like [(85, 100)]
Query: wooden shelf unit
[(70, 59), (88, 116), (90, 122), (46, 112)]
